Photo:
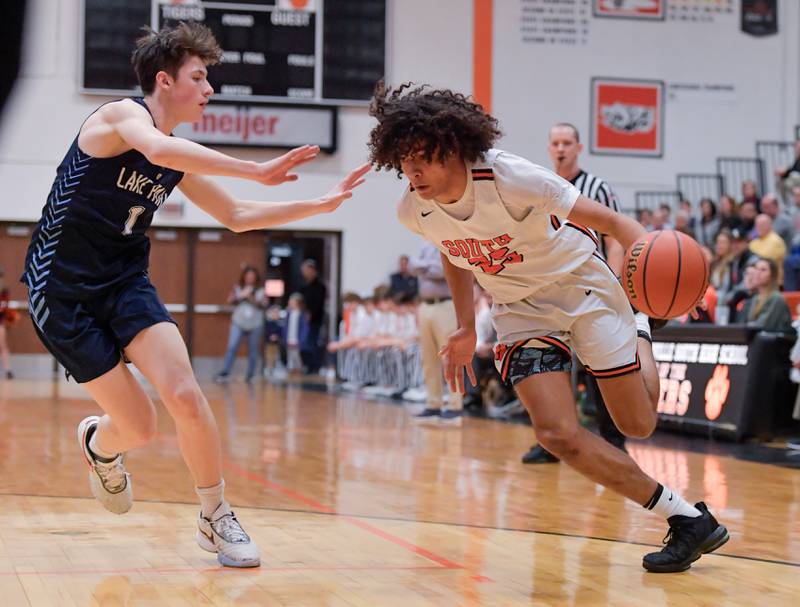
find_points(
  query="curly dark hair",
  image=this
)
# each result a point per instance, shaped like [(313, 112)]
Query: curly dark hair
[(437, 123)]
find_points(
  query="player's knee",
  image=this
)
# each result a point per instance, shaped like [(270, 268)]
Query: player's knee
[(560, 440), (187, 401), (640, 426)]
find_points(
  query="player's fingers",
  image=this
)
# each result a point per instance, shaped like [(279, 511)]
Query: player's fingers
[(357, 183), (471, 373), (460, 379)]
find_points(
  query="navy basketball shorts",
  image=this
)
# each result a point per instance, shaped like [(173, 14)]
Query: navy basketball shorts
[(88, 337)]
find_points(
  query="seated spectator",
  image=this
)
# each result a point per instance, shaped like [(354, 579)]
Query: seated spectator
[(645, 217), (708, 312), (781, 222), (661, 219), (768, 245), (728, 213), (683, 222), (795, 210), (750, 194), (741, 256), (720, 276), (403, 282), (791, 266), (740, 295), (767, 308), (748, 211), (686, 206), (789, 177), (707, 228)]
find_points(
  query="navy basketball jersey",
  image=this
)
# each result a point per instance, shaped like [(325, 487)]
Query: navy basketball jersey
[(92, 232)]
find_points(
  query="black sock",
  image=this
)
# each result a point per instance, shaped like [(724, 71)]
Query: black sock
[(102, 460)]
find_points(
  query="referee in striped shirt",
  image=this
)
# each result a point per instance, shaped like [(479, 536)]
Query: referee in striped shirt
[(564, 148)]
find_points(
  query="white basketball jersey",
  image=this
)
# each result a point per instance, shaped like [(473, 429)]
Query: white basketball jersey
[(516, 238)]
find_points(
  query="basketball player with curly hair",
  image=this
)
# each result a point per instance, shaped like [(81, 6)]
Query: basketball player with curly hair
[(521, 231), (89, 293)]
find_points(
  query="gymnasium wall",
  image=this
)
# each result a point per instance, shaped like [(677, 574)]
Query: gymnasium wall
[(723, 90)]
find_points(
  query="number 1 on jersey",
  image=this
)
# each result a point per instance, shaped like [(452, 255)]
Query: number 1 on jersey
[(133, 215)]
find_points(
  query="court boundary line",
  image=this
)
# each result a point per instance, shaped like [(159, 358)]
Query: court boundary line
[(378, 517), (323, 509)]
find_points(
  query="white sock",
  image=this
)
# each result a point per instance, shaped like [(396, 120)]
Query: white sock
[(210, 498), (101, 455), (667, 503), (643, 325)]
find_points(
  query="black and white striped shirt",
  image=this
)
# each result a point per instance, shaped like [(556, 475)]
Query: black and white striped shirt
[(596, 189)]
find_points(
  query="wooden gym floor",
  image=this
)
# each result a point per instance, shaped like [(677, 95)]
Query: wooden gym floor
[(353, 505)]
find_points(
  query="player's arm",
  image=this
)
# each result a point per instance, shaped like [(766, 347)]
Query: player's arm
[(243, 215), (614, 254), (460, 347), (603, 220), (133, 125)]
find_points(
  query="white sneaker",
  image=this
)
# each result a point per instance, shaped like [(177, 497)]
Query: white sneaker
[(222, 533), (109, 482)]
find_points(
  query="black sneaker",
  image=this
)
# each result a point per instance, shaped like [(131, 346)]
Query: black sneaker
[(687, 540), (428, 416), (539, 455)]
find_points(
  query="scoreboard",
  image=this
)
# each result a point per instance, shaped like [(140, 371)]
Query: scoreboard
[(288, 51)]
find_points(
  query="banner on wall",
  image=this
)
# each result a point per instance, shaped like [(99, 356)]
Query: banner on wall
[(627, 117), (760, 17), (630, 9)]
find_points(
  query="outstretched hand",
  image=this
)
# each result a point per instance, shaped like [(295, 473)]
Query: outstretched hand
[(344, 189), (276, 172), (457, 358)]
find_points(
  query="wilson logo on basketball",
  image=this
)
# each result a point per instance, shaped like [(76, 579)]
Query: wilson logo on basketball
[(630, 268), (717, 390)]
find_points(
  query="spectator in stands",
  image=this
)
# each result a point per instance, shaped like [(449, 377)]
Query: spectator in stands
[(795, 210), (767, 308), (790, 176), (297, 333), (6, 316), (768, 245), (708, 312), (750, 193), (781, 222), (721, 264), (791, 266), (728, 213), (741, 259), (739, 296), (666, 213), (708, 227), (686, 205), (403, 282), (645, 217), (661, 219), (247, 322), (314, 295), (748, 211), (683, 222)]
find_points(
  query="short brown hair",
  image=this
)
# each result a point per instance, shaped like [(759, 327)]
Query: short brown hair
[(567, 125), (167, 50)]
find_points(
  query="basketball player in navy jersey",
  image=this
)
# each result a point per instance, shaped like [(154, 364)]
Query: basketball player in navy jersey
[(90, 297), (519, 230)]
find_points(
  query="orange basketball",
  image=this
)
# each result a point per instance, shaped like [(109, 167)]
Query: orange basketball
[(665, 274)]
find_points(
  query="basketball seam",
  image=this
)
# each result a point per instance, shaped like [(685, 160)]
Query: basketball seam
[(677, 277), (644, 270)]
